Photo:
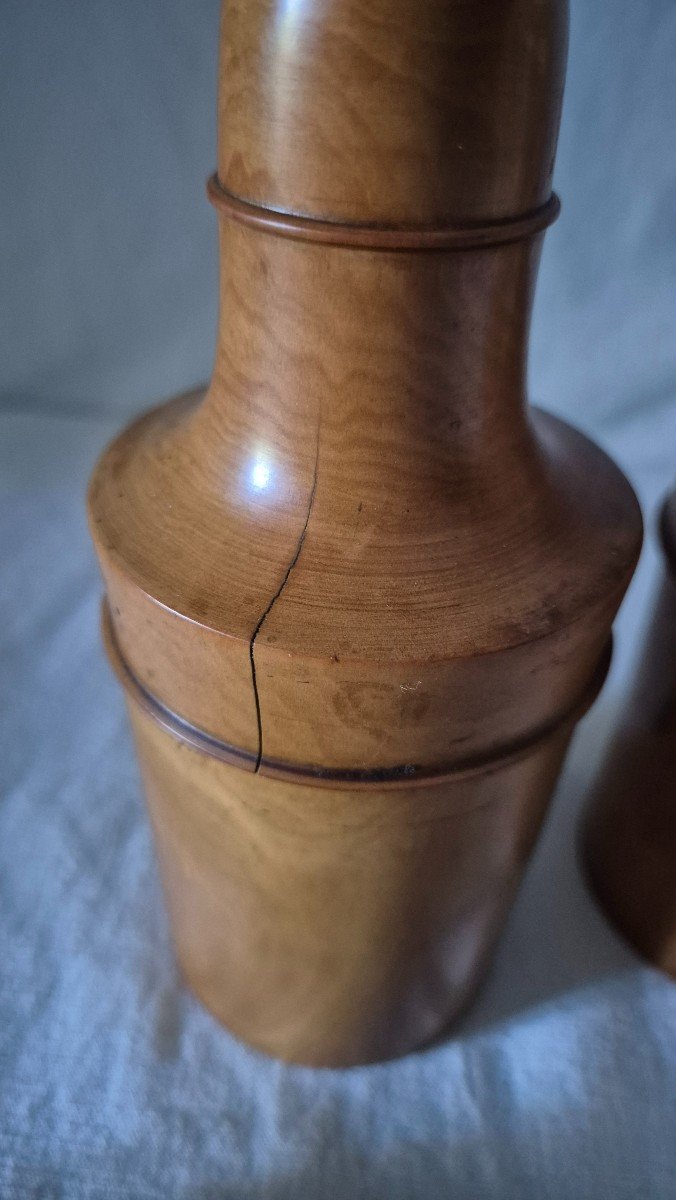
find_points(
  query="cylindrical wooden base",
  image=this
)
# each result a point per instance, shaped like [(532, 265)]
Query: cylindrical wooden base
[(331, 926), (336, 927)]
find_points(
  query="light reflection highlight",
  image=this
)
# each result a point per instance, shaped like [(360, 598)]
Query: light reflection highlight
[(261, 475)]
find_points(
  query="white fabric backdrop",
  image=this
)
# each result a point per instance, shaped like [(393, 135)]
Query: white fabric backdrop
[(113, 1082)]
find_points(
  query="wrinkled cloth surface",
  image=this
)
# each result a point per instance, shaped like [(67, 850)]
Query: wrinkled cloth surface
[(114, 1083)]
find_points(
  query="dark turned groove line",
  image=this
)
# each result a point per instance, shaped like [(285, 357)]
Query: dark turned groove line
[(476, 236), (403, 775)]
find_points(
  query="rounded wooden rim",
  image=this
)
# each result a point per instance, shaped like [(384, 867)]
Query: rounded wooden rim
[(404, 775), (474, 236)]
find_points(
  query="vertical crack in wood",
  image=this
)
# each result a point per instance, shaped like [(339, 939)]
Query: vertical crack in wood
[(274, 600)]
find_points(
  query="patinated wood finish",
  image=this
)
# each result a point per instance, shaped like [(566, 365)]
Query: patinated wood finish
[(629, 835), (359, 593)]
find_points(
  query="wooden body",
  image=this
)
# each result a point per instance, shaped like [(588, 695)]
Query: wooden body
[(359, 591), (629, 833)]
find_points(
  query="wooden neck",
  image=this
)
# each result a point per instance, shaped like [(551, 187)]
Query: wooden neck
[(344, 189), (429, 113), (437, 356)]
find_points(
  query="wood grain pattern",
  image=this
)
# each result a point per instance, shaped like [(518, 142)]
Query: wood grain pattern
[(328, 928), (359, 561), (366, 111), (629, 834), (442, 523)]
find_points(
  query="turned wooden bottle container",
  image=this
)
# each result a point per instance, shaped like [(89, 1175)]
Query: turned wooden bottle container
[(629, 832), (358, 593)]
